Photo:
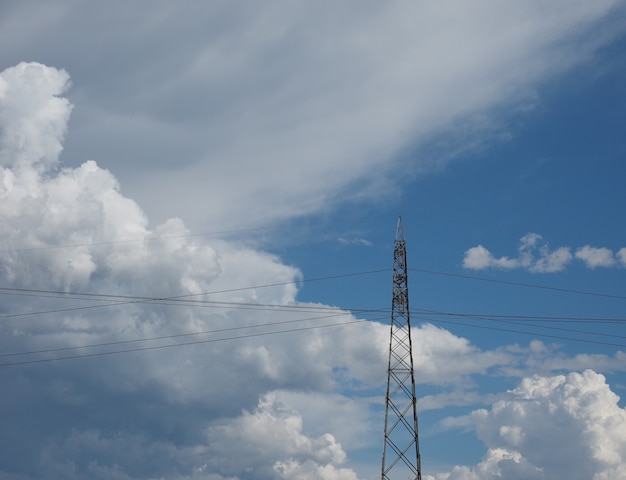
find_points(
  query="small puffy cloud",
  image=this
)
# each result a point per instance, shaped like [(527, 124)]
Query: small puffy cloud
[(537, 257), (565, 426), (479, 258), (596, 257)]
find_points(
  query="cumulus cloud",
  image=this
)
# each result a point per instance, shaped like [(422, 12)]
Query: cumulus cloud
[(536, 256), (273, 431), (292, 470), (72, 230), (33, 116), (550, 428)]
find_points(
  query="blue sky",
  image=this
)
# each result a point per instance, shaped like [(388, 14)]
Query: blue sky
[(156, 159)]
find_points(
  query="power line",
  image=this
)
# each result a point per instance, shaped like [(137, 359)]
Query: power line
[(428, 315), (178, 298), (155, 347), (158, 347), (545, 318), (181, 300), (143, 299), (545, 335), (513, 322), (9, 290), (179, 335), (205, 304), (520, 284), (190, 300)]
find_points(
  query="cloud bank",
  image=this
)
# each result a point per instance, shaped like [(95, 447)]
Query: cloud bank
[(536, 256), (159, 415)]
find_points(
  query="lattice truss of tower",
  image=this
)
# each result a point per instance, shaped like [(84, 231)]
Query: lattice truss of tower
[(401, 454)]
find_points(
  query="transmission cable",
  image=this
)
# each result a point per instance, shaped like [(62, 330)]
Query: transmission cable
[(179, 335), (519, 284), (512, 322), (114, 352), (157, 347), (127, 299), (545, 335)]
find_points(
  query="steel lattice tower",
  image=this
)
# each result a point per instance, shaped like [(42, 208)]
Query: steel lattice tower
[(401, 453)]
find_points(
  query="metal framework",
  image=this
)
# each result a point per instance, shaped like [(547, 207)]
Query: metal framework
[(401, 453)]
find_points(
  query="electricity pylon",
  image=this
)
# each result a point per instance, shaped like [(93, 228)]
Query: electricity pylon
[(401, 452)]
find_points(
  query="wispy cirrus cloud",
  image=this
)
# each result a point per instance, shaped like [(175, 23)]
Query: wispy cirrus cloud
[(536, 256), (276, 110)]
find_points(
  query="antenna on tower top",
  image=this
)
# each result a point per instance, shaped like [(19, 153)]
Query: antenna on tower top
[(401, 452)]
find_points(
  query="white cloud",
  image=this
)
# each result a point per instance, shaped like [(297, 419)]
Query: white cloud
[(272, 431), (479, 258), (443, 358), (596, 257), (72, 230), (552, 261), (539, 258), (355, 241), (352, 421), (548, 261), (33, 116), (275, 110), (533, 256), (455, 398), (566, 426), (497, 463), (294, 470), (543, 359)]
